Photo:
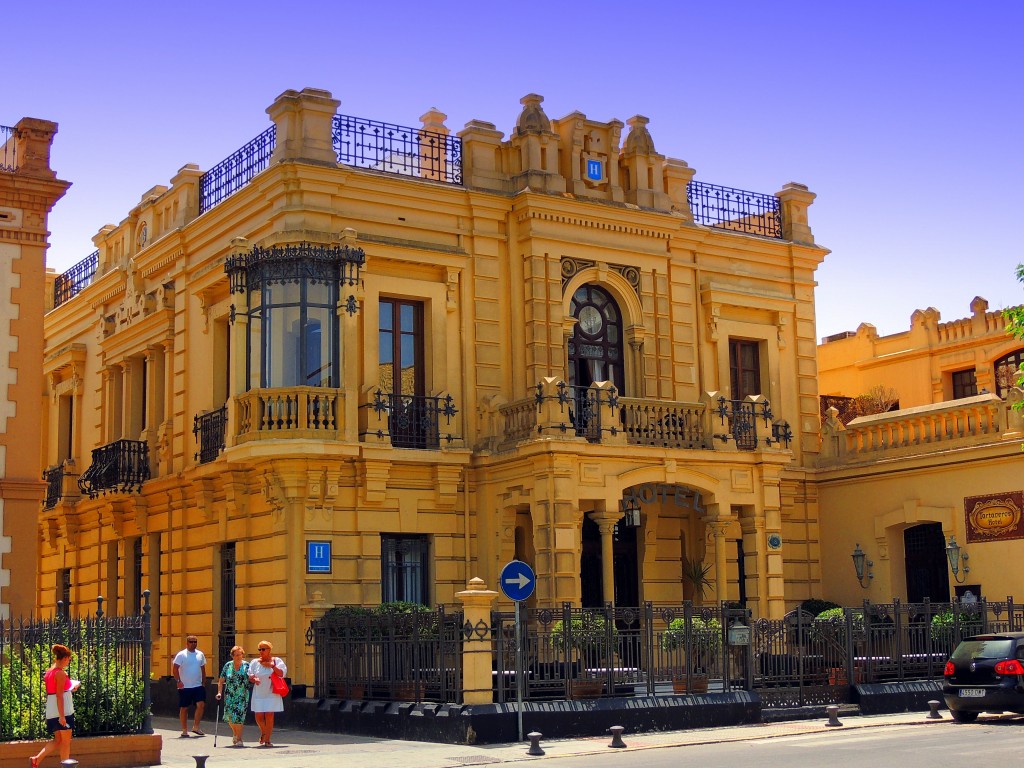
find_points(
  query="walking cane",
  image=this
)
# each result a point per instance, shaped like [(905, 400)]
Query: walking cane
[(216, 725)]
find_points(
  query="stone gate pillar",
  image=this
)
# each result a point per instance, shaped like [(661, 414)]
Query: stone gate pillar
[(477, 645)]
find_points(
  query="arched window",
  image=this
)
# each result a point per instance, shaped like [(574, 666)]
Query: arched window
[(595, 348), (293, 302), (1007, 369)]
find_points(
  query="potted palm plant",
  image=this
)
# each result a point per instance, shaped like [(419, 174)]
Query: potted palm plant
[(695, 575), (700, 646)]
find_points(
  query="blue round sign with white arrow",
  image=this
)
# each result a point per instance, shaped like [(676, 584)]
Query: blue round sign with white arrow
[(517, 580)]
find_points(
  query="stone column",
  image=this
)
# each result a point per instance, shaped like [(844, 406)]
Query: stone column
[(718, 531), (678, 175), (478, 647), (481, 148), (606, 521), (33, 138)]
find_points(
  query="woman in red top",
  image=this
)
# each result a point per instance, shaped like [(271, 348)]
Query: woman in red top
[(60, 708)]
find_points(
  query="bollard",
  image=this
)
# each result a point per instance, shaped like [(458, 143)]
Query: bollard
[(69, 763), (934, 714), (617, 742), (833, 715), (200, 760), (534, 738)]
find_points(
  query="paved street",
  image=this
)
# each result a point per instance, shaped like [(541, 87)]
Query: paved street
[(789, 744)]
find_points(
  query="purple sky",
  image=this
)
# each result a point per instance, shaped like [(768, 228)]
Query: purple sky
[(904, 117)]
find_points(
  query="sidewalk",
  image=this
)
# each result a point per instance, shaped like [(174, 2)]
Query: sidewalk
[(302, 749)]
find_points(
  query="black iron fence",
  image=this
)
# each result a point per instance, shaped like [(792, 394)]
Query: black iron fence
[(111, 657), (414, 421), (209, 429), (118, 467), (572, 653), (8, 149), (236, 170), (397, 149), (738, 210), (392, 655), (69, 283)]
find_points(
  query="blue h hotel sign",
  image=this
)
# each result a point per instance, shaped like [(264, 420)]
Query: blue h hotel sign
[(595, 170), (318, 557)]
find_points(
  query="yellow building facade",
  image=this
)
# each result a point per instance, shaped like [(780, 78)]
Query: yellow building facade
[(28, 190), (945, 467), (357, 362)]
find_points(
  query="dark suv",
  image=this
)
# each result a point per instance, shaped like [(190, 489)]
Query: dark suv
[(985, 674)]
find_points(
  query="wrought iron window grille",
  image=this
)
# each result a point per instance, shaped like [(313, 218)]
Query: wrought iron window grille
[(69, 283), (753, 213), (119, 467)]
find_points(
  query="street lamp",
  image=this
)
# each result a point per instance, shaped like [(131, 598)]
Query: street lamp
[(956, 560), (630, 509), (860, 564)]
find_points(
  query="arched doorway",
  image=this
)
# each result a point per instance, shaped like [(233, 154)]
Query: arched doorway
[(595, 347), (925, 556)]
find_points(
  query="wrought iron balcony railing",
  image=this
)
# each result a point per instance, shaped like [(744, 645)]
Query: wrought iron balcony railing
[(118, 467), (754, 213), (69, 283), (54, 478), (8, 149), (209, 429), (236, 170), (397, 149), (583, 407), (414, 421), (741, 417)]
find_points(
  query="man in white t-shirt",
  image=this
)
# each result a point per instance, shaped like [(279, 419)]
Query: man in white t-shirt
[(190, 674)]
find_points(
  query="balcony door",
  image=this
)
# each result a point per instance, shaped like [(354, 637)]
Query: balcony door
[(595, 347), (401, 374)]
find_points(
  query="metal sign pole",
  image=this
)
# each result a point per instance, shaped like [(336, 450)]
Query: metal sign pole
[(519, 670)]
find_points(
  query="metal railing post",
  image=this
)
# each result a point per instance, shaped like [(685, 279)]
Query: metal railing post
[(147, 663)]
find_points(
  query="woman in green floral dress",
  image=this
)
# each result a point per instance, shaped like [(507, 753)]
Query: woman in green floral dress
[(235, 678)]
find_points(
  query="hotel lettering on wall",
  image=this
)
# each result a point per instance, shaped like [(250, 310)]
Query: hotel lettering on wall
[(995, 517)]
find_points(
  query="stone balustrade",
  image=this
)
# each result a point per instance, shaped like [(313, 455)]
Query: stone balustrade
[(921, 430), (313, 412)]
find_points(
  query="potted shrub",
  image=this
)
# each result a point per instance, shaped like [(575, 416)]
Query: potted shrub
[(586, 639), (829, 629), (705, 640), (410, 632), (350, 628), (944, 623)]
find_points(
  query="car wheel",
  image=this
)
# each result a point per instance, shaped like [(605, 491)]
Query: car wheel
[(963, 717)]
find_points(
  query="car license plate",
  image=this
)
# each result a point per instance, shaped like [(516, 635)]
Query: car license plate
[(972, 693)]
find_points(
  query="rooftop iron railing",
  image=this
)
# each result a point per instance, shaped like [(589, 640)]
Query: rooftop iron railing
[(753, 213), (69, 283), (397, 149), (8, 149), (236, 170)]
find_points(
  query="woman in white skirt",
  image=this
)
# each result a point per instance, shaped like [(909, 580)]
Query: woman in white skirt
[(264, 701)]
